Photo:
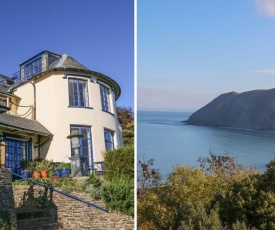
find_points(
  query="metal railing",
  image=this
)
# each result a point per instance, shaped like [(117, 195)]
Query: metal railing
[(62, 193), (23, 76)]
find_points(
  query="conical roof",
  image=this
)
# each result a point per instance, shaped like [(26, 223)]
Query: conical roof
[(67, 62)]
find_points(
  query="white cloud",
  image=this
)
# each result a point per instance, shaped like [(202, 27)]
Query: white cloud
[(266, 7), (268, 71)]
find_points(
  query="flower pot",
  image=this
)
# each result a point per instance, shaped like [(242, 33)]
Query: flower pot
[(64, 172), (36, 175), (26, 173), (44, 174), (57, 172)]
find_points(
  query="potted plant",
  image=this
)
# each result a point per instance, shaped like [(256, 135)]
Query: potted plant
[(64, 169), (45, 167), (35, 173), (25, 164)]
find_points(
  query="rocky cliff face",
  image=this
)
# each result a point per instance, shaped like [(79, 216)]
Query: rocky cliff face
[(253, 110)]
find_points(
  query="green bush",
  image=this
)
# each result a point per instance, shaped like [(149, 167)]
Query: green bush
[(21, 182), (119, 162), (219, 195), (64, 165), (95, 192), (119, 194), (95, 180)]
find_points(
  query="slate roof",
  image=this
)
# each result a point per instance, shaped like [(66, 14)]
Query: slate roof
[(4, 88), (67, 62), (23, 124), (5, 84)]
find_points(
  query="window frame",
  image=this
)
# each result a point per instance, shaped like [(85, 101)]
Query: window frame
[(85, 96), (105, 98), (106, 141), (89, 139), (33, 68), (3, 101)]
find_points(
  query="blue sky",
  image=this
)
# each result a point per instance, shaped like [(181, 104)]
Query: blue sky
[(191, 51), (97, 33)]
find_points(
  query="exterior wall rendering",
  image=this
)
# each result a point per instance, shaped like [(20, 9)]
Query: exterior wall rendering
[(53, 109), (63, 95)]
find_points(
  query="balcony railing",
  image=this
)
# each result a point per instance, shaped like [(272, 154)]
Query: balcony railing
[(22, 76)]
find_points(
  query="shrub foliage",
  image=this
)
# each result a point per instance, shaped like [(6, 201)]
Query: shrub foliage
[(119, 162), (119, 194), (219, 195), (126, 118)]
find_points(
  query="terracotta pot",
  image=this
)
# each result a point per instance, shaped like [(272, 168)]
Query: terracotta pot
[(44, 174), (36, 175)]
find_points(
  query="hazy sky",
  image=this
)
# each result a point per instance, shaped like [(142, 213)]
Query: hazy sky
[(191, 51), (97, 33)]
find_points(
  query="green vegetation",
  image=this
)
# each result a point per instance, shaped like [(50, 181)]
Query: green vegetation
[(115, 187), (219, 195), (64, 165), (118, 194), (126, 118), (119, 162), (118, 188)]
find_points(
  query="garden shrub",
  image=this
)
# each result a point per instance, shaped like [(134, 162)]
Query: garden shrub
[(219, 195), (119, 162), (95, 180), (21, 182), (118, 194), (95, 192)]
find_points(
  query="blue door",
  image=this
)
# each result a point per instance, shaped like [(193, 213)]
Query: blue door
[(17, 150)]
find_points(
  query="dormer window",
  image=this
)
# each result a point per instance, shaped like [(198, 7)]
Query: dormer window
[(33, 68)]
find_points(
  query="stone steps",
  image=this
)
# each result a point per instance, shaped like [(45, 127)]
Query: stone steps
[(35, 219)]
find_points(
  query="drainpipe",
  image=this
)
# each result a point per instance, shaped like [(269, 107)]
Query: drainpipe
[(38, 146), (34, 100)]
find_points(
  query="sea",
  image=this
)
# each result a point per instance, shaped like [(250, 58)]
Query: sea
[(166, 138)]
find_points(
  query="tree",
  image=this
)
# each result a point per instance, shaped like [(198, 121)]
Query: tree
[(126, 118)]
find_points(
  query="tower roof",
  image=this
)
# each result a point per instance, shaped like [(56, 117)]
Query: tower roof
[(67, 62)]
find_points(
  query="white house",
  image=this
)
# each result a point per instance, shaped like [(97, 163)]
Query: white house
[(49, 97)]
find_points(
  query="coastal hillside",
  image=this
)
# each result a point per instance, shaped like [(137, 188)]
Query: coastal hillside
[(253, 110)]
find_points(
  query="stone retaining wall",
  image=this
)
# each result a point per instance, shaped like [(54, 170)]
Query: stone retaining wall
[(72, 214), (6, 198)]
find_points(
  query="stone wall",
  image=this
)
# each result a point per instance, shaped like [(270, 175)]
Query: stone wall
[(72, 214), (6, 198)]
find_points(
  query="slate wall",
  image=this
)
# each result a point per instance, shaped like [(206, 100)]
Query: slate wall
[(6, 199)]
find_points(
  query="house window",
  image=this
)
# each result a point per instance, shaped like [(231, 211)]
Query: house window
[(33, 68), (109, 140), (105, 102), (78, 93), (3, 101), (85, 150)]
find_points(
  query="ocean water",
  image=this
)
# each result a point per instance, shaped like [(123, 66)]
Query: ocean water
[(165, 138)]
